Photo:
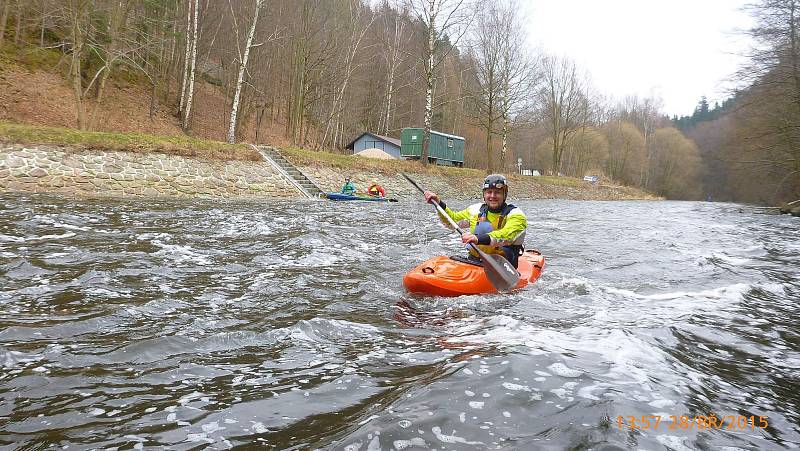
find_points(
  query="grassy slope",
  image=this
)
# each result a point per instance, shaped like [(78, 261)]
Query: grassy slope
[(130, 142)]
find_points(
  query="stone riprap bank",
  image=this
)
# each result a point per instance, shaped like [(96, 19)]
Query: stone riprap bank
[(61, 169), (84, 172), (458, 186)]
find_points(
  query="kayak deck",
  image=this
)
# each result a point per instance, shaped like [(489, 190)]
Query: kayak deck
[(444, 276)]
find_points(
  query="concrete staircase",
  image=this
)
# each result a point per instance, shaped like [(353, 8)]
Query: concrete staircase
[(290, 172)]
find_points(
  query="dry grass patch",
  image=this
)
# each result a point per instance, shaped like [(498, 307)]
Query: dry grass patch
[(302, 157), (561, 181), (127, 142)]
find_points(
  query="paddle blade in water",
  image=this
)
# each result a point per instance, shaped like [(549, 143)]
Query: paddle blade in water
[(500, 272)]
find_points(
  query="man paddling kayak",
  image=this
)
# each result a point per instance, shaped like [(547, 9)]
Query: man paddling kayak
[(348, 188), (495, 226)]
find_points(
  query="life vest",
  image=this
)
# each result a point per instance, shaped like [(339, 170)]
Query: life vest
[(483, 213), (376, 190)]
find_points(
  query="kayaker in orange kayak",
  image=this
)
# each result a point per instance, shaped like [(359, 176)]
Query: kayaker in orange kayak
[(494, 225), (376, 190)]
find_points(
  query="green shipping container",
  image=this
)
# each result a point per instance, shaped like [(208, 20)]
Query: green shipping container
[(444, 149)]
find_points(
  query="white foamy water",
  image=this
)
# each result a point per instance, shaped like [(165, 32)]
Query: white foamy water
[(285, 324)]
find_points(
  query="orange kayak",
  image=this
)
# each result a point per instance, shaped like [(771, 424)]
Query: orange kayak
[(444, 276)]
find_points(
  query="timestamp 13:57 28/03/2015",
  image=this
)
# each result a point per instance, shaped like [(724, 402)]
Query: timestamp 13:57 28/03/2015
[(702, 422)]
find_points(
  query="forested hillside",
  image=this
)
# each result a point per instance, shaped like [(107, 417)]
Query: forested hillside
[(751, 143), (317, 73)]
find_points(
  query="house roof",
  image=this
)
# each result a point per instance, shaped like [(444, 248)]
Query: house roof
[(446, 135), (393, 141)]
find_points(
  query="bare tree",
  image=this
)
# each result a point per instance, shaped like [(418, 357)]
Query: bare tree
[(193, 68), (308, 56), (504, 74), (77, 11), (242, 68), (518, 71), (675, 164), (190, 62), (186, 58), (359, 21), (581, 148), (109, 52), (646, 115), (626, 151), (770, 109), (394, 50), (560, 99), (486, 49)]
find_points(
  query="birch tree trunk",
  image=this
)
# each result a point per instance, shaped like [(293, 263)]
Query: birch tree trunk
[(41, 29), (426, 136), (190, 92), (455, 24), (188, 52), (242, 69)]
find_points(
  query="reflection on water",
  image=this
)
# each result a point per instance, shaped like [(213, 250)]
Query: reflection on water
[(187, 324)]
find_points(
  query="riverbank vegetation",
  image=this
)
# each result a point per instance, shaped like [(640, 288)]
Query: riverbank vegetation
[(314, 75), (750, 143)]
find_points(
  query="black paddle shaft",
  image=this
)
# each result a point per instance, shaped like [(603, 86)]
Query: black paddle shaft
[(438, 207)]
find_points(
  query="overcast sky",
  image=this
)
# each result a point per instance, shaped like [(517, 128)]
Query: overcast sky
[(677, 49)]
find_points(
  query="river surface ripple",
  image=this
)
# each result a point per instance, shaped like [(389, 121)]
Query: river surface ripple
[(285, 325)]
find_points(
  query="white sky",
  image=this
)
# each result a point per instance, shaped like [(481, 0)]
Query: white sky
[(676, 49)]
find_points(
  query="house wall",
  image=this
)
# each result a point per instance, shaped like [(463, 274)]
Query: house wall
[(370, 142), (439, 149)]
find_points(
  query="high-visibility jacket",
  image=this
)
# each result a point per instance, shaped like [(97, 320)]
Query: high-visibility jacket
[(509, 225)]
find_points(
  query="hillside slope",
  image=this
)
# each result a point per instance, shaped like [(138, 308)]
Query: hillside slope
[(33, 94)]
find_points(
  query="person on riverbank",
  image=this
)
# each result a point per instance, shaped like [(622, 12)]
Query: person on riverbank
[(494, 225), (348, 187), (376, 190)]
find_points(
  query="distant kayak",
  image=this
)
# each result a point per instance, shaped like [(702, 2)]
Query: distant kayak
[(444, 276), (340, 196)]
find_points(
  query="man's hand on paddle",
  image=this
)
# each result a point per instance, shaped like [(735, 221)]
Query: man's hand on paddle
[(469, 238), (431, 196)]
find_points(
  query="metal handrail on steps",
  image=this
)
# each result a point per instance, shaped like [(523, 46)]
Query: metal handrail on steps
[(285, 174), (298, 170)]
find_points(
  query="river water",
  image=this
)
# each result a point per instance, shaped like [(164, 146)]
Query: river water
[(216, 324)]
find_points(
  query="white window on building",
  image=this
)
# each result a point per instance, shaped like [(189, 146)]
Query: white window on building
[(449, 142)]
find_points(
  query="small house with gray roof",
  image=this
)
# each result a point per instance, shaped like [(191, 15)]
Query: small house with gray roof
[(369, 140)]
